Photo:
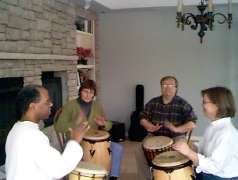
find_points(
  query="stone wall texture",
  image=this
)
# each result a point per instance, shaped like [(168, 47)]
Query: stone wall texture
[(39, 26)]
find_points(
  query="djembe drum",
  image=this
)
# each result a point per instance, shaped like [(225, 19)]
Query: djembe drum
[(88, 171), (154, 145), (96, 148), (172, 165)]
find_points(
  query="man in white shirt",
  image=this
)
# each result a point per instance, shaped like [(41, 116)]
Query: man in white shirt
[(29, 155)]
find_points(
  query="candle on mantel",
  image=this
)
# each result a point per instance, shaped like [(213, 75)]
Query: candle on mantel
[(209, 6), (179, 5), (229, 6)]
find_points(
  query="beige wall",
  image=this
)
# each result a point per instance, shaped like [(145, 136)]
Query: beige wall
[(141, 46)]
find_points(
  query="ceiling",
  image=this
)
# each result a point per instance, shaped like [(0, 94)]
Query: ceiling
[(102, 6), (131, 4)]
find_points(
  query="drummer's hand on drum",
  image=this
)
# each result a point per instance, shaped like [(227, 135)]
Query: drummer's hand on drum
[(183, 148), (170, 126), (155, 128), (149, 126), (77, 133), (100, 121)]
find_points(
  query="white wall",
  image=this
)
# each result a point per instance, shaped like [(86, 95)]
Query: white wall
[(234, 59), (143, 46)]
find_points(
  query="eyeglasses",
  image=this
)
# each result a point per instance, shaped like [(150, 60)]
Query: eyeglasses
[(206, 102), (168, 85)]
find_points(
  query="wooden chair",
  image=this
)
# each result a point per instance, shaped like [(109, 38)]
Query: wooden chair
[(188, 135), (62, 138)]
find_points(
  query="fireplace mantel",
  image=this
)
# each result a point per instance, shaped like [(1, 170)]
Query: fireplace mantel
[(32, 66), (15, 56)]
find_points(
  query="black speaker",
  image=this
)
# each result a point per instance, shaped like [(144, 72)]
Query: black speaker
[(118, 131), (139, 97), (136, 131)]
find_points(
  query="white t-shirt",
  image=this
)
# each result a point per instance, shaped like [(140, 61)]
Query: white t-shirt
[(218, 151), (29, 155)]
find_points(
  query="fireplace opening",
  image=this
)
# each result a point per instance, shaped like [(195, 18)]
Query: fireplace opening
[(54, 85), (9, 87)]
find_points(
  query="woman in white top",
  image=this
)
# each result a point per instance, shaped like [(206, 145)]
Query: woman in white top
[(217, 156)]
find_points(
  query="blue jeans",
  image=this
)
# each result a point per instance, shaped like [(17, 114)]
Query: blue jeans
[(117, 152), (204, 176)]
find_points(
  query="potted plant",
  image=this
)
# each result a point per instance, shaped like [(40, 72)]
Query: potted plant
[(83, 54)]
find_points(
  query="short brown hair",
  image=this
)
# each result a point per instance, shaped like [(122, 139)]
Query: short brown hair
[(88, 84), (168, 77), (222, 97)]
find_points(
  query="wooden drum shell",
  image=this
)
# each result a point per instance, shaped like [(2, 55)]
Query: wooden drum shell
[(88, 171), (154, 145), (177, 170), (97, 149)]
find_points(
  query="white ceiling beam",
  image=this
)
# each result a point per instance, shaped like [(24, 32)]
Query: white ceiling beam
[(127, 4)]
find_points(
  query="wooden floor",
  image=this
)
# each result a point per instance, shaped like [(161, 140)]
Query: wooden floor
[(128, 167)]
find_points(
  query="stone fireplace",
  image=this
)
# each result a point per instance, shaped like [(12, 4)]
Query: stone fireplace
[(37, 46), (34, 69)]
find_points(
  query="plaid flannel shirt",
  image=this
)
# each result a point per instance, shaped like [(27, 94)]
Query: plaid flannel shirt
[(178, 112)]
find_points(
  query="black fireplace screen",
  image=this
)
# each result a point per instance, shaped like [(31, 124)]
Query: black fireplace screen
[(9, 87)]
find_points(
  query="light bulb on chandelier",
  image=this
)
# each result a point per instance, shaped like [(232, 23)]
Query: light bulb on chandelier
[(87, 4)]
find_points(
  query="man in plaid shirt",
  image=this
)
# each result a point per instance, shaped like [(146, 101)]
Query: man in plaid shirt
[(168, 115)]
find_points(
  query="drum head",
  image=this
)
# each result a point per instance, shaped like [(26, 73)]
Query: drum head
[(88, 169), (157, 142), (96, 135), (169, 159)]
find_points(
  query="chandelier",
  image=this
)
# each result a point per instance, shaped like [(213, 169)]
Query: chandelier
[(205, 19)]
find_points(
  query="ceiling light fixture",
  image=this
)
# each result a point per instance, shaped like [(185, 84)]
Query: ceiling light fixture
[(205, 19)]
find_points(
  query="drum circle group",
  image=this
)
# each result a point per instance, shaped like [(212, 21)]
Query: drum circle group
[(165, 163)]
